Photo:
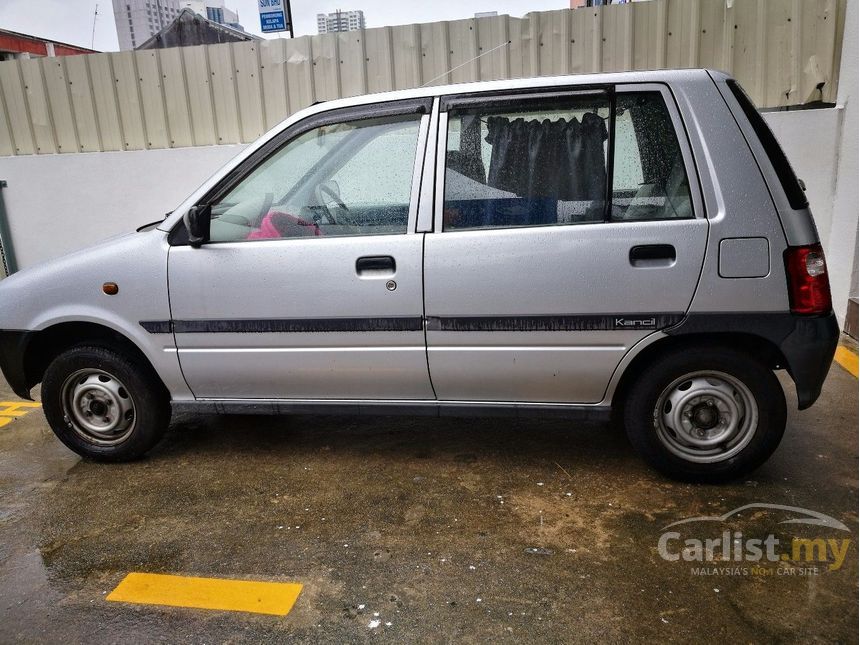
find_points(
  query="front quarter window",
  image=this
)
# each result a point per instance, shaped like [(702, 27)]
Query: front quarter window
[(350, 178)]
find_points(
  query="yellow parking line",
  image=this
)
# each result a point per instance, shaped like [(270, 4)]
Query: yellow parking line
[(13, 407), (847, 359), (275, 598), (11, 410)]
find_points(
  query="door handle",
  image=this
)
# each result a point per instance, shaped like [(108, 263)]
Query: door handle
[(375, 265), (652, 255)]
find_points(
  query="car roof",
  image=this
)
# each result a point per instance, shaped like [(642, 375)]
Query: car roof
[(597, 78)]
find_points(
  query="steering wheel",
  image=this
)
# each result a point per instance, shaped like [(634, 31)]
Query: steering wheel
[(321, 190)]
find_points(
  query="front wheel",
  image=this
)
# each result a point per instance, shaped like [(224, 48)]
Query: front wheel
[(705, 414), (104, 404)]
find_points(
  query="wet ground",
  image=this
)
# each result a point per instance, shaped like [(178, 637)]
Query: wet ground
[(408, 530)]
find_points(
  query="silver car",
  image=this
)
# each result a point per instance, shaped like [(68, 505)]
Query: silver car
[(573, 246)]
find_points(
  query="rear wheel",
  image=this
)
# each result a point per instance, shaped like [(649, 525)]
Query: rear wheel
[(705, 414), (104, 404)]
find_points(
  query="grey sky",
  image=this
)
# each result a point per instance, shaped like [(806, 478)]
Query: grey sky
[(71, 21)]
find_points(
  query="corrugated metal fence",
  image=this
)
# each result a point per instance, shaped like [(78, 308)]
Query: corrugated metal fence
[(785, 52)]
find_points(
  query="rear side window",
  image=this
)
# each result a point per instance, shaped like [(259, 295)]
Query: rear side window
[(531, 164), (548, 163), (793, 191)]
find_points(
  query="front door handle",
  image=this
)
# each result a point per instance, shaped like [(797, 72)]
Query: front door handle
[(375, 265), (652, 255)]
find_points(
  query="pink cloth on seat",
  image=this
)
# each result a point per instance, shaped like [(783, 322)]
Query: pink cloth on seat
[(276, 224)]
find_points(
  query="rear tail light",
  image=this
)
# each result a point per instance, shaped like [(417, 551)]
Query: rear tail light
[(808, 286)]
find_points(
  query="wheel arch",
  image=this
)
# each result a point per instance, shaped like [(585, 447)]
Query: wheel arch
[(760, 348), (48, 343)]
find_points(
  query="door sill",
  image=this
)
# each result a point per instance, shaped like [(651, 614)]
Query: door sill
[(594, 412)]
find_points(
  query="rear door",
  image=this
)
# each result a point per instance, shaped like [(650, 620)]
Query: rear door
[(311, 284), (568, 227)]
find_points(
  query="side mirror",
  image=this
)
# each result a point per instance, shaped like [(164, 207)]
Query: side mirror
[(197, 221)]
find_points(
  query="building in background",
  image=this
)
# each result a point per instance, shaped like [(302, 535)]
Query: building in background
[(486, 14), (190, 28), (340, 21), (138, 20), (14, 45), (215, 11)]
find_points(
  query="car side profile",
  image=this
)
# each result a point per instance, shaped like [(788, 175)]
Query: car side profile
[(634, 243)]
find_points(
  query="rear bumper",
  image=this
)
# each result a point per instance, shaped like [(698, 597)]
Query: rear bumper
[(806, 342), (809, 351), (13, 345)]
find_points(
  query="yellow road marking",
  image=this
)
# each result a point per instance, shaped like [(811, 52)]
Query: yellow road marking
[(847, 359), (15, 406), (275, 598), (11, 410)]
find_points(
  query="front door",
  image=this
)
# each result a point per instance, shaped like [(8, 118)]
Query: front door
[(310, 286), (566, 232)]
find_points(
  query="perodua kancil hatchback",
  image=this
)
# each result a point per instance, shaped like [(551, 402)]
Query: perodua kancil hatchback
[(564, 246)]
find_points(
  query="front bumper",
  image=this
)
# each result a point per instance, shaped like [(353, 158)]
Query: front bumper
[(13, 346)]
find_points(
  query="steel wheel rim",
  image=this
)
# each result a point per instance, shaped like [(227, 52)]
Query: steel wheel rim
[(98, 407), (706, 417)]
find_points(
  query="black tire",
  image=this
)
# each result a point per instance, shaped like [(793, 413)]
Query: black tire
[(642, 419), (149, 417)]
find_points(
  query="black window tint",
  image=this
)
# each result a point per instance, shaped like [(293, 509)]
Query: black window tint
[(649, 180), (793, 191), (526, 164)]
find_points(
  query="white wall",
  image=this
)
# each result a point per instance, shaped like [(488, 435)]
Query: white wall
[(810, 139), (60, 203), (841, 247)]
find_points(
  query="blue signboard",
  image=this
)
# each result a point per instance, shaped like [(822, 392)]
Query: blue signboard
[(273, 15)]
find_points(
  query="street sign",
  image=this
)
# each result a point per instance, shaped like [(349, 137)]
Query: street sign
[(275, 15)]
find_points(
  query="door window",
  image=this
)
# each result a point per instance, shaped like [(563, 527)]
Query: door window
[(352, 178), (546, 164), (528, 166)]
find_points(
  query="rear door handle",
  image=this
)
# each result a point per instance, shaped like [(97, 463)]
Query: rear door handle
[(375, 265), (652, 255)]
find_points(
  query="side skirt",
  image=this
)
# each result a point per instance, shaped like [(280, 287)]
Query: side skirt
[(397, 408)]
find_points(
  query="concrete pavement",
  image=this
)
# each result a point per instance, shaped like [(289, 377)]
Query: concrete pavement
[(415, 529)]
